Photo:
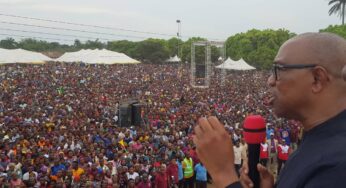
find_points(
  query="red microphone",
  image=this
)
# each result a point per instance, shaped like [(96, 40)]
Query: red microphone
[(254, 132)]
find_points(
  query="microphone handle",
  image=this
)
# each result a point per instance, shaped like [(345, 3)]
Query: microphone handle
[(253, 160)]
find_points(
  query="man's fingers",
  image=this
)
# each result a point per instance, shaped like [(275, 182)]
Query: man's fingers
[(204, 124), (195, 141), (215, 124), (198, 132), (267, 179), (244, 177), (263, 171), (245, 180), (261, 168)]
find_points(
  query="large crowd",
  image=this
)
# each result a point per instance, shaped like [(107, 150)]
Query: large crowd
[(59, 123)]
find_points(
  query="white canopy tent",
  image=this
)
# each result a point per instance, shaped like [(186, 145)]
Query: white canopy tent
[(235, 65), (22, 56), (227, 64), (242, 65), (97, 57), (174, 59)]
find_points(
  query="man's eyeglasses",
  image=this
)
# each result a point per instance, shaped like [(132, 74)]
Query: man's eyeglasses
[(281, 67)]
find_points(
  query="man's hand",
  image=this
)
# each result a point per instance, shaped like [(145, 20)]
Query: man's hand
[(266, 178), (215, 149)]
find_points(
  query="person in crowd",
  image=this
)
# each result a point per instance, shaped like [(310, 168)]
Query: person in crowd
[(144, 182), (283, 152), (76, 171), (201, 176), (264, 153), (55, 116), (172, 172), (161, 178), (180, 172), (15, 181), (188, 171), (237, 156), (272, 147), (30, 177), (131, 174)]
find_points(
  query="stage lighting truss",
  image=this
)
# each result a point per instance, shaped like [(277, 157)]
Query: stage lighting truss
[(204, 82)]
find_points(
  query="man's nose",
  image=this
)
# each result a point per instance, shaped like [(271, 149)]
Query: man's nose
[(271, 81)]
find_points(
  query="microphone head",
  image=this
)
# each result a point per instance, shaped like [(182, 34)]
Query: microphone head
[(254, 129)]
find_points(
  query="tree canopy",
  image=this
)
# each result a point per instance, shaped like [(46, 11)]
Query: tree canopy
[(337, 29), (257, 47), (338, 7)]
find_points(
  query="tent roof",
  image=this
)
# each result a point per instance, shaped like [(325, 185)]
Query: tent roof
[(97, 57), (22, 56), (242, 65), (235, 65), (228, 63)]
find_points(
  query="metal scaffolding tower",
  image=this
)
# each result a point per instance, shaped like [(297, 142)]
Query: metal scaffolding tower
[(223, 71), (205, 82)]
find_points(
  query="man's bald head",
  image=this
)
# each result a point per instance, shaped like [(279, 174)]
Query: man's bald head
[(320, 82), (325, 49)]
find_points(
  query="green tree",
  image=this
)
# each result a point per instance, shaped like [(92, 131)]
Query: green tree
[(186, 50), (94, 44), (256, 47), (8, 43), (33, 45), (77, 44), (123, 46), (199, 51), (337, 29), (174, 44), (151, 51), (215, 54), (338, 7)]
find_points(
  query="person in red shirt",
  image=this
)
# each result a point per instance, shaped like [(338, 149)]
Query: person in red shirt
[(144, 183), (156, 163), (283, 152), (172, 171), (264, 153), (161, 178)]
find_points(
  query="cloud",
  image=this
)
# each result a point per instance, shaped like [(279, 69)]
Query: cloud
[(58, 7), (15, 2), (69, 9)]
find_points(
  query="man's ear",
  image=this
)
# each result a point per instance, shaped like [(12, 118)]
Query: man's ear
[(343, 73), (321, 79)]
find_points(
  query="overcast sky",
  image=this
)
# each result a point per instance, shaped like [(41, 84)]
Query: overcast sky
[(216, 19)]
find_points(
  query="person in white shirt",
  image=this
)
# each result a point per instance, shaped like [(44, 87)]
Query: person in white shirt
[(243, 146), (26, 175), (237, 156), (132, 174), (264, 153)]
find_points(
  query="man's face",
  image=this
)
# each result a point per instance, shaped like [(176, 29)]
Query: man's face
[(187, 155), (74, 165), (162, 169), (145, 177), (290, 92)]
